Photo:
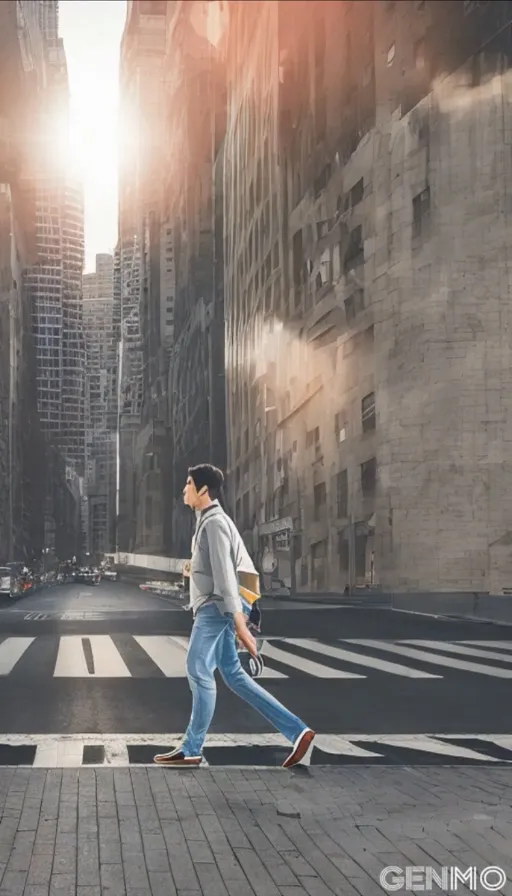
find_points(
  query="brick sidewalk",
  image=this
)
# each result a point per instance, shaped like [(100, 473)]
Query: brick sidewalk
[(158, 832)]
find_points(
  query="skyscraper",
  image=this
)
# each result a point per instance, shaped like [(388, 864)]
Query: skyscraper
[(49, 21), (55, 281), (142, 52), (100, 437)]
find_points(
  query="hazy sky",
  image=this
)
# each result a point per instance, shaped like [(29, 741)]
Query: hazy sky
[(92, 31)]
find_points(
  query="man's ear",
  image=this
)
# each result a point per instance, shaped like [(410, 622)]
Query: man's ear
[(203, 491)]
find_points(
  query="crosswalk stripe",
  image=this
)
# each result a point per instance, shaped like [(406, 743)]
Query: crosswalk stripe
[(11, 651), (168, 656), (338, 745), (71, 662), (502, 645), (435, 659), (430, 744), (240, 750), (359, 659), (308, 666), (448, 647), (59, 754), (114, 658)]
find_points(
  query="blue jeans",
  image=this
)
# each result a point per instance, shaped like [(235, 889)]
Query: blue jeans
[(212, 646)]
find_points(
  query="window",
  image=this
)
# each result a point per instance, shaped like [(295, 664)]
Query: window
[(354, 304), (340, 426), (369, 477), (421, 214), (319, 498), (322, 180), (342, 493), (298, 259), (419, 54), (318, 563), (357, 193), (354, 255), (312, 437), (368, 412), (360, 556), (343, 551)]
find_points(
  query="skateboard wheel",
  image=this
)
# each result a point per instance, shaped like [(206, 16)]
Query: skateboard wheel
[(254, 667)]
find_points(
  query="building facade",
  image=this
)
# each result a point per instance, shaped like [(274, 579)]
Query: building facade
[(142, 51), (54, 282), (100, 445), (367, 292), (193, 204), (22, 82)]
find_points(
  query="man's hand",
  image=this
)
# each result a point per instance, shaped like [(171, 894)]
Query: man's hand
[(244, 635)]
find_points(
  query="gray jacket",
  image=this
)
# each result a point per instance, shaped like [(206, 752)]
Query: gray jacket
[(216, 549)]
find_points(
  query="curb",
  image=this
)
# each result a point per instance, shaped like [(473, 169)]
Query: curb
[(327, 600)]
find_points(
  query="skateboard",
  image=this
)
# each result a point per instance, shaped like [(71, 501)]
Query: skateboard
[(253, 666)]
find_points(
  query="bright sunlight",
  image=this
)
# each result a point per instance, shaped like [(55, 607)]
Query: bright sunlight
[(93, 136)]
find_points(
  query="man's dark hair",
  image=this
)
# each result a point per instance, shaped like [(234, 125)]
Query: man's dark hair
[(209, 476)]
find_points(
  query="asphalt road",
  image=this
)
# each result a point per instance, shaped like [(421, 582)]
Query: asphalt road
[(108, 662)]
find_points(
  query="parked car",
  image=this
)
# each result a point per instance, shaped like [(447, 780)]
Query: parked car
[(5, 581)]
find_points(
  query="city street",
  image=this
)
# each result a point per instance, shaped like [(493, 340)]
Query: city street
[(98, 676)]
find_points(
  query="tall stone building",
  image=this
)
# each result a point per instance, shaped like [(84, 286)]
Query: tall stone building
[(22, 79), (195, 114), (368, 291), (98, 310), (54, 285), (142, 52)]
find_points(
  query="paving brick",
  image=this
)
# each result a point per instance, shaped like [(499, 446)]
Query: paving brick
[(62, 885), (13, 883), (211, 881), (200, 852), (40, 870), (182, 868), (112, 880), (36, 890), (88, 864), (162, 883), (256, 873), (135, 872)]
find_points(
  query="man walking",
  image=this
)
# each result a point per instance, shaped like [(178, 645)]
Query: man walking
[(218, 618)]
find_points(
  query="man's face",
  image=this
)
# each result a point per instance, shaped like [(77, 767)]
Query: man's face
[(191, 497), (190, 493)]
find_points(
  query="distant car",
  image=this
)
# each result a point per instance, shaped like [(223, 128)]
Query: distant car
[(5, 581), (111, 575), (88, 576)]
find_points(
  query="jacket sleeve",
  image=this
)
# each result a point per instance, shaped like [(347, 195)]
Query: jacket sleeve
[(222, 562)]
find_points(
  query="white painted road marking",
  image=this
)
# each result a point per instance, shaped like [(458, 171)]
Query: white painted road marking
[(169, 657), (435, 658), (359, 659), (11, 651), (61, 751), (448, 647), (107, 660), (308, 666), (168, 653)]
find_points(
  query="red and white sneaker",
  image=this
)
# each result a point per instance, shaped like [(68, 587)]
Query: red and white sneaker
[(300, 748), (177, 758)]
